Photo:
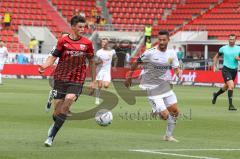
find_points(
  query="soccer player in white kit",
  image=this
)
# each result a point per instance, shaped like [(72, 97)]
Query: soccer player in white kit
[(158, 62), (3, 56), (104, 58)]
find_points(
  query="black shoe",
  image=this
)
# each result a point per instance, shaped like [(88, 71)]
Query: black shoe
[(214, 98), (232, 108), (48, 106)]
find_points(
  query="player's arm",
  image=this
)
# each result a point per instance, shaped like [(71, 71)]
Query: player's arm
[(92, 68), (49, 62), (215, 61), (178, 71), (216, 58), (97, 60), (238, 57), (176, 66), (143, 58), (115, 60), (134, 66), (54, 54), (5, 56)]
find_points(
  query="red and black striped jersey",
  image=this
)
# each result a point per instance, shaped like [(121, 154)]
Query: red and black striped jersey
[(72, 55)]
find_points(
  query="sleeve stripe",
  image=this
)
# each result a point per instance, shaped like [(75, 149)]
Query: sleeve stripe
[(56, 53)]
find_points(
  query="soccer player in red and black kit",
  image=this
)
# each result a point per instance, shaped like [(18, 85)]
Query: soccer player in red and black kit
[(70, 73)]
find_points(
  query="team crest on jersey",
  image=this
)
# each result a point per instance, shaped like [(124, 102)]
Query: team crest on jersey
[(83, 47)]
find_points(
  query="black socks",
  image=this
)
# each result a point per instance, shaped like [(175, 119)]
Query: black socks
[(221, 91), (59, 120), (230, 94)]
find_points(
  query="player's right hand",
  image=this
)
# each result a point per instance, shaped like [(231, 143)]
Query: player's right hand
[(41, 70), (128, 82)]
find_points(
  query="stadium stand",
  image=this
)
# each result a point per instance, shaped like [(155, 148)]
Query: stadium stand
[(23, 12), (29, 13), (219, 17), (185, 13), (221, 21), (146, 12), (138, 12), (67, 7)]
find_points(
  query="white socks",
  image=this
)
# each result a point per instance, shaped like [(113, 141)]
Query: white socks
[(97, 96), (171, 123)]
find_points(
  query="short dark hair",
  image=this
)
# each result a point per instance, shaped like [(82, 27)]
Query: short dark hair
[(232, 35), (163, 32), (77, 19)]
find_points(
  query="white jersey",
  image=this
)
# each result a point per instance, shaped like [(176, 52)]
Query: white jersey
[(106, 56), (3, 54), (157, 69)]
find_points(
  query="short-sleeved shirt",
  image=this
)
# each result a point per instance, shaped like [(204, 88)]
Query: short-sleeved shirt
[(157, 68), (229, 54), (106, 56), (72, 55)]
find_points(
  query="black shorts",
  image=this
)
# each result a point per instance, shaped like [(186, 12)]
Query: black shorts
[(229, 74), (61, 88)]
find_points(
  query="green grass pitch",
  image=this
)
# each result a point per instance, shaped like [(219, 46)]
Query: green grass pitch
[(207, 132)]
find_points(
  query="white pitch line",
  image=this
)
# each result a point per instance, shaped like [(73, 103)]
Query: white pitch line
[(179, 150), (174, 154)]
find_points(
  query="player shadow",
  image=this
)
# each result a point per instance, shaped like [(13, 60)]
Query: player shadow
[(109, 101)]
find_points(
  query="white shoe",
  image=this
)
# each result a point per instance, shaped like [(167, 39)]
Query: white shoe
[(171, 139), (50, 129), (48, 142), (97, 101)]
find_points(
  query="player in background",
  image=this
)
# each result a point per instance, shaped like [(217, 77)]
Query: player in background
[(103, 61), (70, 73), (3, 57), (156, 79), (230, 53), (51, 92)]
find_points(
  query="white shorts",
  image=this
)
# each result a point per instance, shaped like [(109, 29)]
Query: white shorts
[(1, 66), (103, 76), (160, 103)]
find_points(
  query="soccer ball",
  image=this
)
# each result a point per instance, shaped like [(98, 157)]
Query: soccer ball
[(104, 117)]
